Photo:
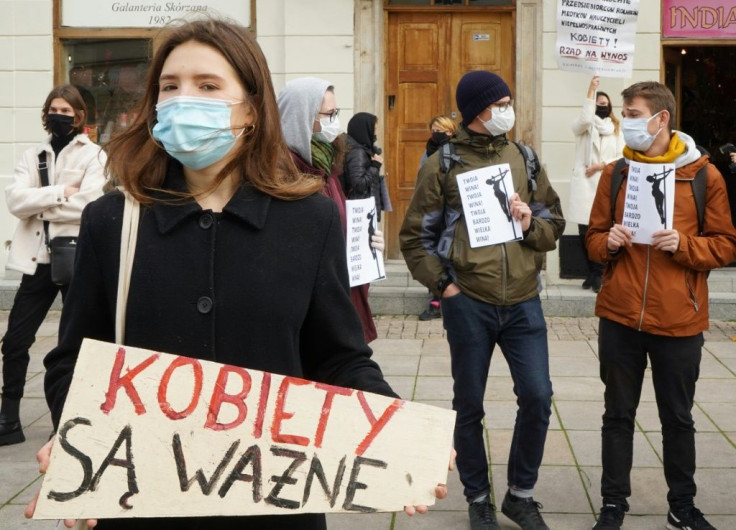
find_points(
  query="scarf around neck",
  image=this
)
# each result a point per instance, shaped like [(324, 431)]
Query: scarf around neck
[(604, 127), (323, 155), (676, 148)]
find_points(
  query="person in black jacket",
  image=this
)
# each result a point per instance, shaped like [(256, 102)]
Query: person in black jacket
[(442, 129), (239, 259), (363, 161)]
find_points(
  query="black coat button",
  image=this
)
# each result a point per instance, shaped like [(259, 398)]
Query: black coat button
[(204, 305), (206, 220)]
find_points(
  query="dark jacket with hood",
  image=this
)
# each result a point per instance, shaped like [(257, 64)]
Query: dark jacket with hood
[(362, 174)]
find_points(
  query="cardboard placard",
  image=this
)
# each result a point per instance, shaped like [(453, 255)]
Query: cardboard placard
[(146, 434), (597, 36)]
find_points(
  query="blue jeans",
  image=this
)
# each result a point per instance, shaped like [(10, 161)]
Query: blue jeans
[(473, 330)]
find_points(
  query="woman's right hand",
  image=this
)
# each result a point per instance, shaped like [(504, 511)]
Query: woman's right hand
[(377, 158), (43, 456), (593, 87)]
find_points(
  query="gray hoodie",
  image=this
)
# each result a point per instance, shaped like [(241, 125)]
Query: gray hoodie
[(299, 103)]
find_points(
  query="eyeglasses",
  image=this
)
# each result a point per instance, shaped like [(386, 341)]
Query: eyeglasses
[(333, 115), (501, 107)]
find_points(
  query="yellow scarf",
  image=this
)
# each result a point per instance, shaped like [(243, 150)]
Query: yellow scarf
[(676, 148)]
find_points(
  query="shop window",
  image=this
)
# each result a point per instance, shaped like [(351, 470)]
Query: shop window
[(110, 74)]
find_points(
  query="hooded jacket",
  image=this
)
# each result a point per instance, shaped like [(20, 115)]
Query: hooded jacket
[(362, 174), (665, 293), (434, 237), (299, 103)]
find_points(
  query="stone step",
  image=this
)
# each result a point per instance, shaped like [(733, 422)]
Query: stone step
[(400, 294)]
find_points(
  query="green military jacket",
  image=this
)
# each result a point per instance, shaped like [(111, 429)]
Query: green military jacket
[(434, 237)]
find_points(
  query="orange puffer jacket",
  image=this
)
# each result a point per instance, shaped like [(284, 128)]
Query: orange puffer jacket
[(656, 291)]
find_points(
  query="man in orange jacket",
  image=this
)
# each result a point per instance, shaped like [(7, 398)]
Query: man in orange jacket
[(664, 310)]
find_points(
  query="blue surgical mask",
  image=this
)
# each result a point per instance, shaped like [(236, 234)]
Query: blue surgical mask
[(636, 133), (195, 131)]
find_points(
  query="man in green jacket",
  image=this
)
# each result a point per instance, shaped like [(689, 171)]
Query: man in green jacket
[(489, 295)]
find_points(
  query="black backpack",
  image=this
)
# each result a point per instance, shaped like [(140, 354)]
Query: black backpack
[(449, 157), (698, 184)]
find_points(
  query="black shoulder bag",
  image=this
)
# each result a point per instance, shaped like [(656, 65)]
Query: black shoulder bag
[(62, 249)]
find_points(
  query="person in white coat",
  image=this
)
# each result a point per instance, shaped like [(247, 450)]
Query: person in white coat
[(598, 141), (75, 167)]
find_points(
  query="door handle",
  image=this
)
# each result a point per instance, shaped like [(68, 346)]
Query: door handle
[(391, 102)]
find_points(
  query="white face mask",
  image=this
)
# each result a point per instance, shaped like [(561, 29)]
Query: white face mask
[(636, 133), (330, 130), (500, 122)]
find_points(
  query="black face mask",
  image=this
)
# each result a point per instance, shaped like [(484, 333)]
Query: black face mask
[(439, 136), (435, 141), (61, 126), (602, 111)]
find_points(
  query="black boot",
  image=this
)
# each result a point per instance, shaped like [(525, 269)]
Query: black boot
[(10, 430)]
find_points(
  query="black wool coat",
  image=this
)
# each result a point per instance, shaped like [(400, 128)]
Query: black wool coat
[(261, 285)]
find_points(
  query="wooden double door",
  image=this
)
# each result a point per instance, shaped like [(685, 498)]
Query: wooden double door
[(428, 53)]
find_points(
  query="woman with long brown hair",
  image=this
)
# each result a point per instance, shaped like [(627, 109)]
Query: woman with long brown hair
[(238, 260)]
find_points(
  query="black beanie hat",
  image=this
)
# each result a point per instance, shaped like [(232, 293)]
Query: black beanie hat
[(476, 91)]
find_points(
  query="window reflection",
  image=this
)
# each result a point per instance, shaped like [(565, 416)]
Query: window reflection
[(110, 75)]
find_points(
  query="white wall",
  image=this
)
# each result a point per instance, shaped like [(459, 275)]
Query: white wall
[(563, 93), (26, 76), (312, 38)]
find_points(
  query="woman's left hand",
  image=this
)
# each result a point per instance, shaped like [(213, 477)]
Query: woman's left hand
[(593, 169), (377, 241), (440, 491)]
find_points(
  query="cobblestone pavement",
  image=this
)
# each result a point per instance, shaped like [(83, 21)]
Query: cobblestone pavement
[(558, 328), (414, 357)]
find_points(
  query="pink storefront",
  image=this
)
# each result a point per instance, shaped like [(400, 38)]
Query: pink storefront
[(699, 52)]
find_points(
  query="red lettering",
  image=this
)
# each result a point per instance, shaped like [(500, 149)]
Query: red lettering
[(163, 388), (327, 407), (280, 414), (219, 397), (126, 381), (376, 425), (262, 400)]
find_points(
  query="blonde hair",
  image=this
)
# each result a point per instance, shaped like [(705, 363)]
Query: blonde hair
[(445, 123)]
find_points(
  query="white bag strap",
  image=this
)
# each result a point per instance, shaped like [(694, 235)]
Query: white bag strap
[(128, 240)]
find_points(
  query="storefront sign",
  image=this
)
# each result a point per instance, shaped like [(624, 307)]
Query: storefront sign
[(699, 19), (146, 434), (597, 36), (147, 13)]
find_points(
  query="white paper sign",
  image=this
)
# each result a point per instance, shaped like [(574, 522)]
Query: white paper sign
[(485, 195), (596, 36), (147, 434), (365, 263), (650, 199), (147, 13)]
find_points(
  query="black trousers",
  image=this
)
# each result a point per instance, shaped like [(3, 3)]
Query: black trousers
[(675, 369), (594, 269), (32, 302)]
